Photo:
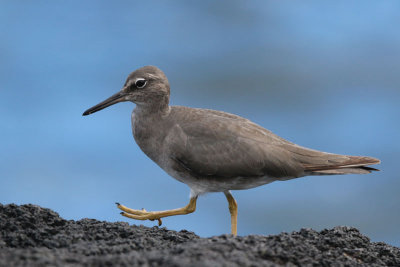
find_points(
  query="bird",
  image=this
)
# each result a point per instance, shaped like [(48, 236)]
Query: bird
[(214, 151)]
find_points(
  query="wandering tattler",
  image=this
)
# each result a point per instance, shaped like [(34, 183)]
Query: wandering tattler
[(214, 151)]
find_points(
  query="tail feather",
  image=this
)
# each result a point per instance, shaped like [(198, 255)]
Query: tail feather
[(357, 170), (351, 165), (316, 162)]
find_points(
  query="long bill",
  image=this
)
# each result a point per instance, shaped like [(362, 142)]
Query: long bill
[(114, 99)]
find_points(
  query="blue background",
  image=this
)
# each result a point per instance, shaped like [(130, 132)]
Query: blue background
[(323, 75)]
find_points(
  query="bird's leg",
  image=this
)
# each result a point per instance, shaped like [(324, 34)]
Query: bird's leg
[(157, 215), (233, 212)]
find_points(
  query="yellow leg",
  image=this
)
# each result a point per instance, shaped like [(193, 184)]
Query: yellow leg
[(233, 211), (157, 215)]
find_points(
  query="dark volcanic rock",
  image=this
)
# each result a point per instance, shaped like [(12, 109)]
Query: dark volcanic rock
[(34, 236)]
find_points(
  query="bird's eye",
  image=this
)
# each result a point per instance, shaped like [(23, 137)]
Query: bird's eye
[(140, 83)]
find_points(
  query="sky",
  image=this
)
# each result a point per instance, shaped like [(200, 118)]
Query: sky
[(324, 75)]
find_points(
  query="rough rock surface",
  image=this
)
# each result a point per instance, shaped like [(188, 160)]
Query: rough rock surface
[(35, 236)]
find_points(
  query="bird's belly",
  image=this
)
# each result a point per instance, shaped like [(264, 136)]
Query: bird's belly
[(236, 183), (209, 184)]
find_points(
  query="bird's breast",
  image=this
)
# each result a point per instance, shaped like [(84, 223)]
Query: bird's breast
[(147, 136)]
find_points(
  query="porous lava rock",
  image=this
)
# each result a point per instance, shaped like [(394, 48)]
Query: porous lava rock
[(35, 236)]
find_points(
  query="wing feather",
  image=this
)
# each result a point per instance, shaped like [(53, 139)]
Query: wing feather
[(224, 145)]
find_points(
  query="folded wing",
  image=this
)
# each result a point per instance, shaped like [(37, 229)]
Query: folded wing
[(224, 145)]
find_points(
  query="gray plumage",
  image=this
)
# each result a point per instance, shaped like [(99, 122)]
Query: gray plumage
[(214, 151)]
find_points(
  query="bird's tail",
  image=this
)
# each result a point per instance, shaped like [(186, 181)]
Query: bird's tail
[(340, 164)]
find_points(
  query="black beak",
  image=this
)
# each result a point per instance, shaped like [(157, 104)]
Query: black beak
[(114, 99)]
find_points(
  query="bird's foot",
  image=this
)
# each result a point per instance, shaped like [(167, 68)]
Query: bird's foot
[(156, 215), (139, 214)]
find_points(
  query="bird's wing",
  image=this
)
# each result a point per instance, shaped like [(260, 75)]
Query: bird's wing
[(220, 144), (223, 145)]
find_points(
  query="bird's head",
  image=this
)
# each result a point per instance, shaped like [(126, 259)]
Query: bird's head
[(147, 87)]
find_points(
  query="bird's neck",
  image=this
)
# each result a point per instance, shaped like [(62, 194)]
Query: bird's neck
[(157, 106), (148, 110)]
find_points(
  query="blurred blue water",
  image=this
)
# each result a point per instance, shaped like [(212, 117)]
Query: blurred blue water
[(324, 75)]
